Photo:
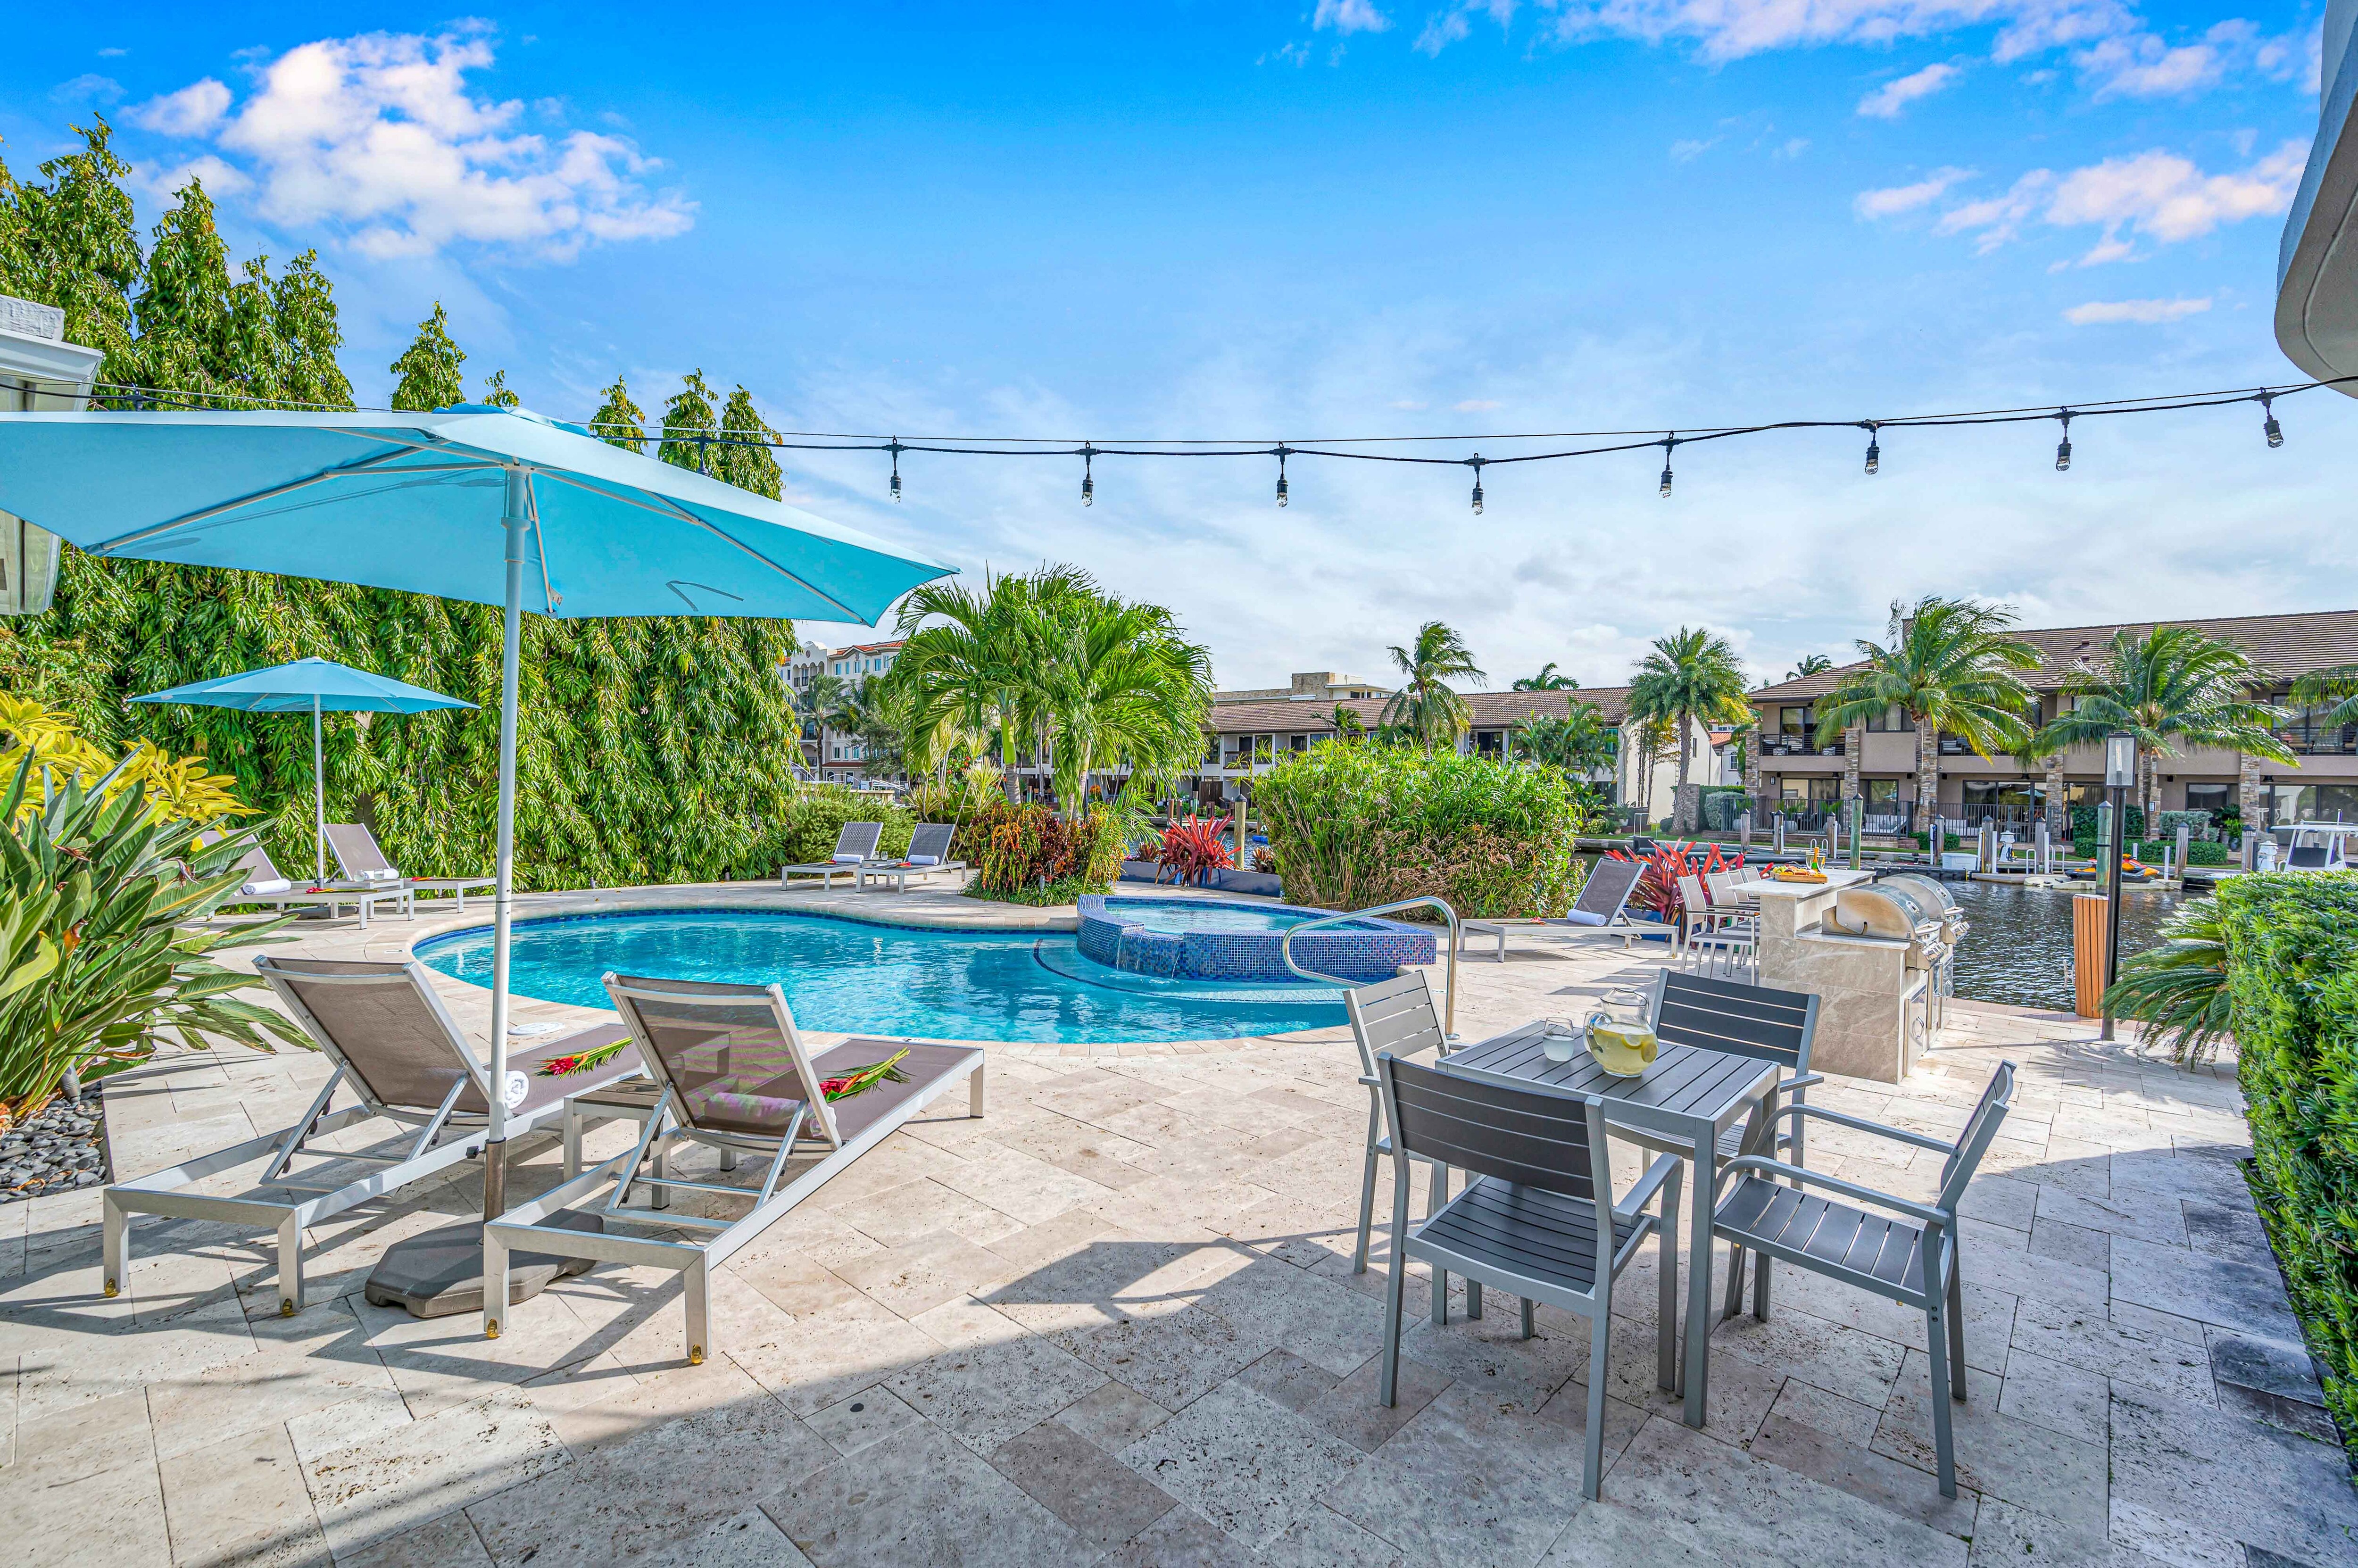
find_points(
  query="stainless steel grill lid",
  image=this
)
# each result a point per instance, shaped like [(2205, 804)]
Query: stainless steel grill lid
[(1879, 909)]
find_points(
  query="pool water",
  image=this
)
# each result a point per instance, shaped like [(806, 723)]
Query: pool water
[(1157, 915), (2019, 950), (885, 979)]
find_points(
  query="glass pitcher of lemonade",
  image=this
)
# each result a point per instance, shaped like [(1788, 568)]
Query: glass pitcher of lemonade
[(1619, 1038)]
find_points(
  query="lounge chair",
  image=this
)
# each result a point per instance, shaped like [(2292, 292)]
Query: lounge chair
[(266, 883), (1604, 901), (365, 865), (929, 851), (398, 1050), (854, 847), (735, 1077), (1537, 1216)]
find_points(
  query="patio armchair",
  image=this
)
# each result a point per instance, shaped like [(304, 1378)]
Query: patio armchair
[(1604, 901), (364, 864), (1537, 1216), (736, 1077), (1910, 1258), (1712, 937), (929, 852), (399, 1053), (855, 845), (1396, 1016)]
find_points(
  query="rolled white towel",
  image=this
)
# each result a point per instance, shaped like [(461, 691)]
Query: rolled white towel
[(516, 1086), (848, 859), (265, 887), (925, 859)]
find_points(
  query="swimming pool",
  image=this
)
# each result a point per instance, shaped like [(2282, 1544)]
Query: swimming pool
[(1203, 939), (850, 974)]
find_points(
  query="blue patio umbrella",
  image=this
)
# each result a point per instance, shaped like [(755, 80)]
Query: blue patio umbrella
[(313, 686), (492, 505)]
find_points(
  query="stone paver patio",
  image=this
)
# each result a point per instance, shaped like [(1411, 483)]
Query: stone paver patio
[(1115, 1321)]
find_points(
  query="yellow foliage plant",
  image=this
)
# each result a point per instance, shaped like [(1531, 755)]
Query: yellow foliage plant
[(178, 789)]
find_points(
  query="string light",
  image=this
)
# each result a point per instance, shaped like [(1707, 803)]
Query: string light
[(2063, 447), (1283, 450), (1478, 462), (895, 447), (1874, 452), (1089, 477), (2273, 432), (1669, 442)]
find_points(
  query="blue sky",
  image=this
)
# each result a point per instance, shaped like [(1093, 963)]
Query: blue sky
[(1349, 218)]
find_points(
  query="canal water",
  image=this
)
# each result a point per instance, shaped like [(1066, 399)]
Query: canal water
[(2019, 950)]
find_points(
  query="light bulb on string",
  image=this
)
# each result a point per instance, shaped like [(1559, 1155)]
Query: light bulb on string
[(1089, 476), (1874, 451), (1282, 450), (2063, 447), (896, 449), (2273, 432), (1477, 461), (1669, 442)]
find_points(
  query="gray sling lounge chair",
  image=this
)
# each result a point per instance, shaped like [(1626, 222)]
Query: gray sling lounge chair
[(736, 1077), (1604, 901), (1911, 1260), (855, 845), (1538, 1218), (364, 864), (266, 883), (929, 851), (398, 1052)]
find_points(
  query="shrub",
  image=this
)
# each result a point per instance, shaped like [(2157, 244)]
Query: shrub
[(2204, 824), (2292, 978), (818, 812), (2083, 823), (1355, 826), (1721, 807), (1024, 853)]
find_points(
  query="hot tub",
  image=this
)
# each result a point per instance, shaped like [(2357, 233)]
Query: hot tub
[(1210, 939)]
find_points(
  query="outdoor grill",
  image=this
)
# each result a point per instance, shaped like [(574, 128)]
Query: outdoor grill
[(1899, 909)]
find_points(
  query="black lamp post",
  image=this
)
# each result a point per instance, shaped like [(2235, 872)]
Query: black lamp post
[(2120, 772)]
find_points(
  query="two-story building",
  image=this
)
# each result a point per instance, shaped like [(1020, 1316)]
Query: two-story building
[(1790, 771), (835, 756)]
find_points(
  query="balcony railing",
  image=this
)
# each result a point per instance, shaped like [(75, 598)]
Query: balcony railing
[(1795, 746), (2307, 740)]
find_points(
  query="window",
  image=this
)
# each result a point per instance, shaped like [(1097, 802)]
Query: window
[(1880, 795), (1300, 742), (1486, 742), (2211, 797), (1891, 720), (1816, 789), (1794, 722)]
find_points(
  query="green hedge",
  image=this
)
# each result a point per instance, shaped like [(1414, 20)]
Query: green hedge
[(1355, 826), (818, 812), (2292, 971)]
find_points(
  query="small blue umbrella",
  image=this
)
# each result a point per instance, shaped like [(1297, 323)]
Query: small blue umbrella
[(313, 686), (492, 505)]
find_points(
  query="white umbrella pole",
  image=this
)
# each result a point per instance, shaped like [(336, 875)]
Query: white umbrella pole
[(318, 799), (511, 660)]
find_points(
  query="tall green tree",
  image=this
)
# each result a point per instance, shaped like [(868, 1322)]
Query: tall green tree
[(1581, 740), (74, 242), (2174, 685), (1546, 680), (1949, 664), (427, 371), (1689, 678), (619, 421), (689, 415), (744, 462), (2330, 694), (974, 659), (1122, 687), (1426, 704), (1810, 665), (498, 394)]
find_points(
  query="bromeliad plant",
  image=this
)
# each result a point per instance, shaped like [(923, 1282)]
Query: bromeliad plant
[(1193, 848), (101, 951), (1657, 886)]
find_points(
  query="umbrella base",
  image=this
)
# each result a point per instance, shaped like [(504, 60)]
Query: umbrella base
[(440, 1273)]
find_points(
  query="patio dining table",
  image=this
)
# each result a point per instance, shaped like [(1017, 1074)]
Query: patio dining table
[(1682, 1106)]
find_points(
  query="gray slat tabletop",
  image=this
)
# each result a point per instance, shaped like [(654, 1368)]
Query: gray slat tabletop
[(1684, 1101)]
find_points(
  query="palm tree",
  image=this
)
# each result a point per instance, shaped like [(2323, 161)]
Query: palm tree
[(975, 669), (2175, 683), (1949, 664), (1581, 740), (2336, 684), (1810, 665), (1689, 676), (1348, 724), (1121, 686), (1426, 704), (1546, 680)]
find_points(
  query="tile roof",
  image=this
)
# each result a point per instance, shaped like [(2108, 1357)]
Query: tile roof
[(1492, 710), (2284, 645)]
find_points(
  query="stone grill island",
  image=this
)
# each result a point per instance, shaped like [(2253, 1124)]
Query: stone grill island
[(1201, 939)]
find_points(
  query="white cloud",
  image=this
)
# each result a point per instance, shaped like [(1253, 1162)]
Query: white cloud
[(112, 53), (1886, 102), (193, 110), (2157, 195), (1898, 198), (88, 88), (1688, 149), (1730, 29), (2098, 312), (1476, 405), (2145, 65), (1349, 17), (1442, 29), (1793, 148), (378, 136), (221, 179)]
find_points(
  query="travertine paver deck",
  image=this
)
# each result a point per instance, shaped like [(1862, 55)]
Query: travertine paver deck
[(1115, 1321)]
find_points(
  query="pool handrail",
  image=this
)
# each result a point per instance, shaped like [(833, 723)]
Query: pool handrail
[(1449, 1004)]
